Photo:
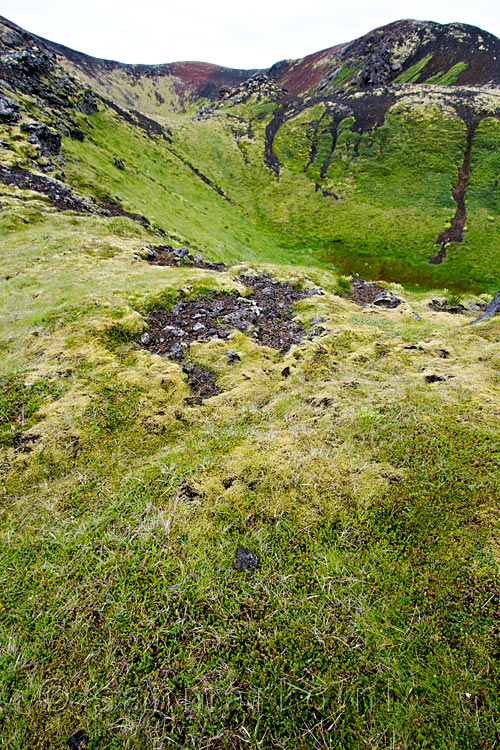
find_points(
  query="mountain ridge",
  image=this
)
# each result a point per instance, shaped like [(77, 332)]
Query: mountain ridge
[(379, 57)]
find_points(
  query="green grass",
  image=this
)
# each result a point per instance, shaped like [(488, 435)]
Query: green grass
[(412, 74), (373, 614), (362, 467), (449, 77)]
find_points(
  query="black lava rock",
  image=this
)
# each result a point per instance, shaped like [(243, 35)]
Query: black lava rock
[(88, 104), (48, 140), (78, 740), (118, 163), (180, 252), (9, 111), (245, 560), (77, 134)]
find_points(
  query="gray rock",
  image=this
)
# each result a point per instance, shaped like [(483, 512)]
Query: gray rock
[(48, 140), (198, 327), (9, 110), (88, 104), (315, 321), (173, 331), (245, 560), (176, 351), (78, 740), (180, 252), (232, 355), (386, 299), (64, 129), (118, 163), (146, 338), (492, 309), (417, 316), (197, 258)]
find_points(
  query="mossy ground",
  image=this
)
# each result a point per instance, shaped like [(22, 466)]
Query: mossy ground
[(362, 467), (369, 494)]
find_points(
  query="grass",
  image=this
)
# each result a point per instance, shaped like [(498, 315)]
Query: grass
[(449, 77), (412, 74), (372, 615), (362, 467)]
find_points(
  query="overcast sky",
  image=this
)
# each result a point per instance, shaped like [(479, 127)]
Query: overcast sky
[(251, 34)]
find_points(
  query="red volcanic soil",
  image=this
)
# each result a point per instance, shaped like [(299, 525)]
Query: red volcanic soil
[(299, 75), (203, 78)]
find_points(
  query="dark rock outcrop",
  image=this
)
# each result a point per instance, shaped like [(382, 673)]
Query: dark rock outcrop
[(492, 309), (49, 141), (9, 111), (245, 560)]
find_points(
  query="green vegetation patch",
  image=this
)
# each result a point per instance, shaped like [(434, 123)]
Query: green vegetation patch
[(20, 401), (449, 77), (413, 73), (345, 72)]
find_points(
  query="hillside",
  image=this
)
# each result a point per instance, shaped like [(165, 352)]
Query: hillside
[(250, 499)]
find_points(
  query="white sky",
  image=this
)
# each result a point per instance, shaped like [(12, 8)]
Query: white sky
[(252, 34)]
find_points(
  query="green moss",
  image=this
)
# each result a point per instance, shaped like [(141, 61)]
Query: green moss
[(450, 77), (345, 72), (412, 74), (20, 402)]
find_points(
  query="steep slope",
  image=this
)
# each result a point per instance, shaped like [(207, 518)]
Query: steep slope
[(154, 89), (373, 178)]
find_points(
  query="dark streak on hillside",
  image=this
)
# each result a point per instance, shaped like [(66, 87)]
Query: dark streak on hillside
[(62, 197), (208, 182), (272, 161), (455, 232), (133, 117), (112, 208), (368, 112)]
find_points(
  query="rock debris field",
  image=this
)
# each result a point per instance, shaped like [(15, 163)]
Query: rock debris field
[(266, 316)]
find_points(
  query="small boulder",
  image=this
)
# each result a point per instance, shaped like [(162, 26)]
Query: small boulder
[(173, 331), (48, 140), (118, 163), (176, 351), (146, 338), (78, 740), (387, 299), (88, 104), (245, 560), (77, 134), (180, 252), (9, 111)]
